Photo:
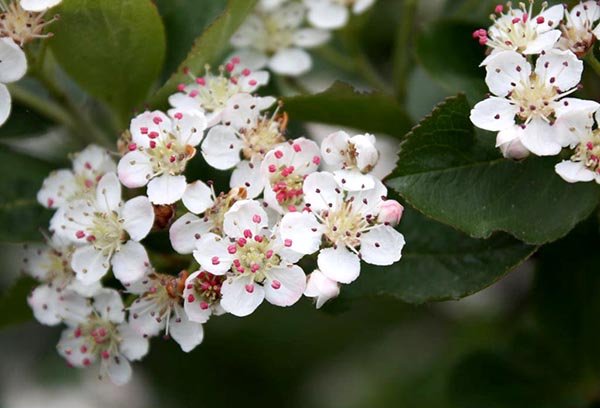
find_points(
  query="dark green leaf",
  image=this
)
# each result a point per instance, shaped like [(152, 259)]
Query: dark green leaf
[(21, 216), (449, 54), (184, 21), (209, 47), (23, 122), (448, 174), (112, 49), (344, 106), (440, 263), (13, 303)]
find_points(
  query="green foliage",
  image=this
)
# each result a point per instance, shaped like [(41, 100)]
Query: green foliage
[(451, 57), (208, 47), (450, 175), (440, 263), (112, 49), (344, 106), (13, 303), (21, 216)]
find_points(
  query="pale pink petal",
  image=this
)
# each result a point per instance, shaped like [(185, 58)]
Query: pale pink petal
[(321, 287)]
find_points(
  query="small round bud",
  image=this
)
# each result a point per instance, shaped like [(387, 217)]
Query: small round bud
[(391, 212)]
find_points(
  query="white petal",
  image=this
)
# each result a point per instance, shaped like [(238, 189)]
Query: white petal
[(245, 215), (185, 332), (322, 192), (321, 287), (509, 134), (193, 310), (573, 125), (191, 126), (311, 37), (303, 231), (197, 197), (138, 217), (13, 63), (109, 305), (552, 17), (284, 285), (290, 61), (93, 161), (255, 80), (381, 246), (248, 175), (354, 180), (544, 41), (57, 188), (108, 193), (328, 15), (540, 138), (212, 255), (145, 123), (186, 231), (143, 317), (166, 189), (494, 114), (119, 370), (133, 345), (514, 150), (505, 71), (38, 5), (221, 149), (131, 262), (89, 264), (250, 58), (368, 202), (237, 300), (135, 169), (44, 302), (366, 152), (252, 28), (333, 148), (289, 15), (574, 172), (5, 104), (360, 6), (339, 264), (558, 68)]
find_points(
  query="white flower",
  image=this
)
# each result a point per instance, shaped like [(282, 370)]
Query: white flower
[(199, 198), (283, 171), (210, 93), (38, 5), (275, 38), (519, 30), (351, 159), (103, 335), (321, 288), (584, 165), (349, 223), (13, 66), (578, 32), (64, 186), (532, 106), (160, 307), (332, 14), (58, 294), (107, 231), (258, 264), (202, 296), (23, 20), (243, 140), (159, 152)]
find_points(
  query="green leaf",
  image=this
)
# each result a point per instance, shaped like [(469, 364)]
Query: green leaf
[(450, 55), (13, 303), (184, 21), (344, 106), (450, 175), (440, 263), (23, 122), (112, 49), (209, 47), (21, 216)]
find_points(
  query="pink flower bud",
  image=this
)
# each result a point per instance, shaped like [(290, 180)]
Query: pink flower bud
[(391, 212)]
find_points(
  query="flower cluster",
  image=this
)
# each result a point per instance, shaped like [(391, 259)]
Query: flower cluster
[(243, 246), (277, 34), (21, 21), (532, 68)]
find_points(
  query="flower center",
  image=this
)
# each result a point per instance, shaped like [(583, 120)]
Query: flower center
[(207, 288), (98, 337), (253, 256), (535, 99), (589, 153), (21, 25), (216, 214), (267, 133), (276, 36), (59, 266), (287, 186), (345, 226), (106, 232)]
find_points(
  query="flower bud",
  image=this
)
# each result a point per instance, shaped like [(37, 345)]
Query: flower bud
[(321, 287), (390, 213), (514, 150)]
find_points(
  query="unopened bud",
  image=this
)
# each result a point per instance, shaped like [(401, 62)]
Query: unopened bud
[(390, 213)]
